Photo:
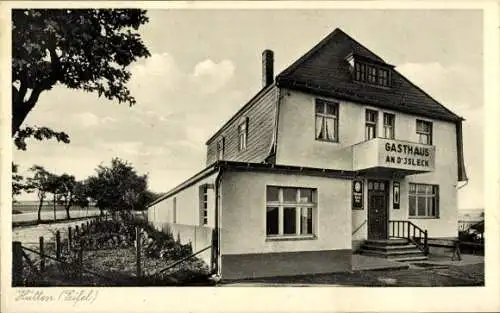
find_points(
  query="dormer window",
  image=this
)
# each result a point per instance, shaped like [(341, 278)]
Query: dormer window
[(371, 74), (370, 71)]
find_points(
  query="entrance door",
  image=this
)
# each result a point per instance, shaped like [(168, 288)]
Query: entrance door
[(377, 209)]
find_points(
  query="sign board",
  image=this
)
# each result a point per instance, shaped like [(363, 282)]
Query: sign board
[(395, 195), (357, 194), (397, 154)]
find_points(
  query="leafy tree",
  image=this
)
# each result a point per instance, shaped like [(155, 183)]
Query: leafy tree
[(68, 191), (40, 182), (17, 181), (52, 186), (86, 49), (118, 188)]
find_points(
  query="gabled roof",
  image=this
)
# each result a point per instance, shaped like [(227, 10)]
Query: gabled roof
[(325, 71)]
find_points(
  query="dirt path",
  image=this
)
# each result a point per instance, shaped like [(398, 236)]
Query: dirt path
[(30, 234)]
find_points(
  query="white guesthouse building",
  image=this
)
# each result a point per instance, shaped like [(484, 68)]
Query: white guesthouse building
[(339, 149)]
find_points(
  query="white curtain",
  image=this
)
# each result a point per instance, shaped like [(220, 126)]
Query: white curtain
[(330, 129), (319, 127)]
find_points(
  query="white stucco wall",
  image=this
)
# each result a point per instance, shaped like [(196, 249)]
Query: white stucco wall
[(243, 211), (188, 206), (297, 146)]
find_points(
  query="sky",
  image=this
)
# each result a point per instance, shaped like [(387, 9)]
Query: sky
[(206, 64)]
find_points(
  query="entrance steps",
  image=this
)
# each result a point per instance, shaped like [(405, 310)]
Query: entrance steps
[(401, 250)]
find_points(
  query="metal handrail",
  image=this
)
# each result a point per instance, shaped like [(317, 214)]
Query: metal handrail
[(408, 231), (359, 227)]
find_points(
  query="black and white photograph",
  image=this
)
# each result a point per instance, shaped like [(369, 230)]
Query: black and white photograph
[(233, 147)]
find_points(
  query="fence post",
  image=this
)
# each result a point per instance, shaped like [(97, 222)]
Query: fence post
[(17, 263), (138, 251), (70, 238), (42, 255), (58, 245), (80, 263), (426, 244)]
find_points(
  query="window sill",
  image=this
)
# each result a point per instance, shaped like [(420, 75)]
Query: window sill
[(423, 218), (327, 141), (291, 238)]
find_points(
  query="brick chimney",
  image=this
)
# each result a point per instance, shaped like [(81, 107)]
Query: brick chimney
[(267, 68)]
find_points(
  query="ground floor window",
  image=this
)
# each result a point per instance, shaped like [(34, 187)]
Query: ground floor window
[(290, 211), (424, 200)]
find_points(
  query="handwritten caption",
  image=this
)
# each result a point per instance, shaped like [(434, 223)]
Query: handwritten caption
[(74, 296)]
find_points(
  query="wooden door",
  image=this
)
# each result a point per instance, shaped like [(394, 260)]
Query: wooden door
[(378, 209)]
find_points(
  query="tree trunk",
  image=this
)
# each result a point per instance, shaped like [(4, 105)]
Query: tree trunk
[(67, 211), (54, 206), (40, 204)]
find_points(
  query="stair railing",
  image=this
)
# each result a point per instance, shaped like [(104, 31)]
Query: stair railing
[(410, 231)]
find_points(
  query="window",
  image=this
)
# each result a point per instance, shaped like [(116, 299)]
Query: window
[(326, 120), (389, 125), (289, 211), (243, 134), (424, 200), (383, 77), (424, 132), (220, 149), (371, 124), (174, 210), (371, 74), (204, 204)]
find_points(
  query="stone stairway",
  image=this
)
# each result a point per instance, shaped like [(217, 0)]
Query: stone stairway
[(401, 250)]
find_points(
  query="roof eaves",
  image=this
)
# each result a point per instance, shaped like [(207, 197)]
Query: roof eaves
[(188, 182), (456, 116), (350, 96)]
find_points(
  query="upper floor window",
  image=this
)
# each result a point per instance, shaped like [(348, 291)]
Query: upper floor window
[(423, 200), (371, 74), (327, 122), (389, 125), (371, 124), (424, 132), (220, 149), (290, 211), (243, 134)]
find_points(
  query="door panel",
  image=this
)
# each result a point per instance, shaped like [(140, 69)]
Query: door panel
[(377, 210)]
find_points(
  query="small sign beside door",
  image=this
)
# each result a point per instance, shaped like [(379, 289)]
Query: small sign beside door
[(357, 195), (395, 195)]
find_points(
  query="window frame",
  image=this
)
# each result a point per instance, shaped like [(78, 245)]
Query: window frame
[(324, 115), (298, 207), (220, 148), (204, 204), (369, 123), (372, 74), (243, 134), (174, 210), (391, 127), (420, 133), (433, 196)]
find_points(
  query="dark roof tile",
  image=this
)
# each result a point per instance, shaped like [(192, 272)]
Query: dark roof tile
[(325, 70)]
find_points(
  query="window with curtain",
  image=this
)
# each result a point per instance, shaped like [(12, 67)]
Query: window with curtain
[(371, 124), (423, 201), (389, 125), (424, 132), (326, 120), (290, 211)]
